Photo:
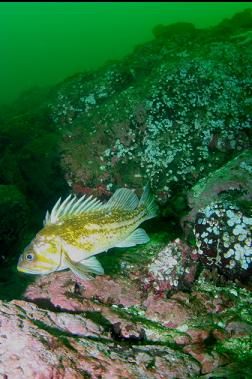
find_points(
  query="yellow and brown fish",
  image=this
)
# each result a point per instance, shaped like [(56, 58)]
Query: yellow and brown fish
[(78, 229)]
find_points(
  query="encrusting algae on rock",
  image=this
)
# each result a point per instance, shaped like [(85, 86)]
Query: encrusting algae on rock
[(78, 229)]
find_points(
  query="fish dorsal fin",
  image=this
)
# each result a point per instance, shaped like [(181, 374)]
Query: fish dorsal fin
[(123, 198), (72, 206)]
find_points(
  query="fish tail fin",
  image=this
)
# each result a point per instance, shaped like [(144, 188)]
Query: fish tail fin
[(147, 200)]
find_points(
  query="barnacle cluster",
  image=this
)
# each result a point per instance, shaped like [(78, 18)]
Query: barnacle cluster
[(224, 237), (84, 92), (191, 111)]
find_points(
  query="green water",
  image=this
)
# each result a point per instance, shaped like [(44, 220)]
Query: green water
[(42, 43)]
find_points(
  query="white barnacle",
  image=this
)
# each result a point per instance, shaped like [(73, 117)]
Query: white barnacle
[(241, 237), (238, 229), (216, 231), (230, 214), (233, 292), (231, 222), (208, 211), (204, 234), (225, 237), (229, 253), (247, 251), (244, 265), (238, 247), (237, 255), (248, 242), (247, 220), (232, 264)]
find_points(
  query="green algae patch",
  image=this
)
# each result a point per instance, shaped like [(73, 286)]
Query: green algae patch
[(239, 349), (98, 319)]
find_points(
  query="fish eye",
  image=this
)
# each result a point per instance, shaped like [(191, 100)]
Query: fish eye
[(29, 257)]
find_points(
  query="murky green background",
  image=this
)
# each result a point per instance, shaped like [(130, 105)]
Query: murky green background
[(42, 43)]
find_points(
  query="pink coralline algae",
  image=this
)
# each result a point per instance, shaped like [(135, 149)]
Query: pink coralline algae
[(174, 267), (169, 313), (99, 191), (113, 328), (102, 289)]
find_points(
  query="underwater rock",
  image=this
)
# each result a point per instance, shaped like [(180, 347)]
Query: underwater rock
[(113, 291), (240, 22), (224, 239), (209, 362), (221, 217), (234, 178), (67, 346), (72, 330), (103, 289), (185, 29), (174, 267), (173, 117), (169, 312), (169, 113), (198, 322), (13, 219)]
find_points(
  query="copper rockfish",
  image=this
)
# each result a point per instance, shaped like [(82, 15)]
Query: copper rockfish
[(78, 229)]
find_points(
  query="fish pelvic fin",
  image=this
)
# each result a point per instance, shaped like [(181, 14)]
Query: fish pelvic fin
[(147, 200), (85, 268)]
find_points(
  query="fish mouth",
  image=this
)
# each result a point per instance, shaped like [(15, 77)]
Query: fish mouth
[(33, 272), (26, 270)]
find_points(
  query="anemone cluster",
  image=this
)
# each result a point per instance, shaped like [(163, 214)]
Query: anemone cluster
[(174, 267), (224, 238)]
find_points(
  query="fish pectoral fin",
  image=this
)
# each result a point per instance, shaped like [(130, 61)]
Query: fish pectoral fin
[(84, 268), (93, 265), (77, 268), (137, 237)]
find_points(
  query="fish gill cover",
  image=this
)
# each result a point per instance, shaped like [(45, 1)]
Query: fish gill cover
[(176, 113)]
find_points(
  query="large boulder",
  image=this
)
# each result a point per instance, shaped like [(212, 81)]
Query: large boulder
[(221, 216), (169, 113)]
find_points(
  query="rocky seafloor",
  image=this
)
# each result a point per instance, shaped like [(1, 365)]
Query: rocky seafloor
[(176, 113)]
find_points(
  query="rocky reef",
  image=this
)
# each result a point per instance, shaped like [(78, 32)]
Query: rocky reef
[(115, 327), (176, 113)]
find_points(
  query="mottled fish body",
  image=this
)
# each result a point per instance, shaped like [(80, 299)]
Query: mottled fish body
[(78, 229)]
